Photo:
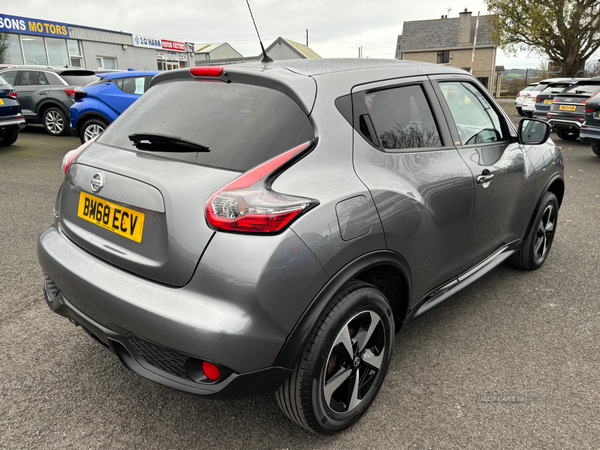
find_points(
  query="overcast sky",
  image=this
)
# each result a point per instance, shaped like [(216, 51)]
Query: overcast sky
[(336, 27)]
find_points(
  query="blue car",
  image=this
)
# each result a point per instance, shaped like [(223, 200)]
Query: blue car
[(99, 103), (11, 118)]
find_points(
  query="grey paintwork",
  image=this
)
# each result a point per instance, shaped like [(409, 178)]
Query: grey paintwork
[(238, 299)]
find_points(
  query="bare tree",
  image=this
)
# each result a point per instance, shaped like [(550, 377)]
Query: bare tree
[(4, 44)]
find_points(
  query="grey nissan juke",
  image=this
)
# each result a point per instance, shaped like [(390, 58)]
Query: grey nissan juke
[(259, 228)]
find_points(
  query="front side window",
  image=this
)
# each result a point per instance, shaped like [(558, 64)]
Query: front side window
[(402, 118), (476, 121), (443, 57)]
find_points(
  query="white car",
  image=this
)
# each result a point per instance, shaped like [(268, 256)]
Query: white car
[(521, 96)]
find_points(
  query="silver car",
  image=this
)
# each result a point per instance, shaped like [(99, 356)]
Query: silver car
[(261, 228)]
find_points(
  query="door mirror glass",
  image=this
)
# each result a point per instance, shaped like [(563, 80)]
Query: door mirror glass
[(533, 132)]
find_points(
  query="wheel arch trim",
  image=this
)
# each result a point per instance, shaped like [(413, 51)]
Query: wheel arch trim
[(296, 341), (556, 180), (83, 118)]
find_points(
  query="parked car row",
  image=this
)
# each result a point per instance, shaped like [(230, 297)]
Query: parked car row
[(11, 118), (64, 99), (570, 106)]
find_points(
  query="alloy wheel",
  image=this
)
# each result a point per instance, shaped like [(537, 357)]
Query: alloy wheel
[(54, 122), (354, 362), (92, 131), (545, 233)]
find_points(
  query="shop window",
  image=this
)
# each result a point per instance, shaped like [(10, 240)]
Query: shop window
[(75, 55), (34, 50), (105, 62), (14, 50), (443, 57), (57, 52)]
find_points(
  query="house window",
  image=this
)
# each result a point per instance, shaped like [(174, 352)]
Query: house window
[(443, 57), (106, 63)]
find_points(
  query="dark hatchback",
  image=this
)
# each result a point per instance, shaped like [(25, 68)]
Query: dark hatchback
[(11, 119), (590, 129), (260, 228), (567, 112), (544, 99)]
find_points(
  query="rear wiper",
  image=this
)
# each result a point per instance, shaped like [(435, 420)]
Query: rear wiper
[(165, 143)]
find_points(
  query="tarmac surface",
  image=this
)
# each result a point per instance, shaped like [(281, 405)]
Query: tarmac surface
[(512, 361)]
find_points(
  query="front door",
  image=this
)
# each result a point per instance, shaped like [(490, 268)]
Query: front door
[(501, 171)]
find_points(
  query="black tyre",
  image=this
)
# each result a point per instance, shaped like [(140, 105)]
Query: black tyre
[(91, 129), (596, 148), (539, 241), (55, 121), (344, 363), (9, 139), (520, 111), (566, 135)]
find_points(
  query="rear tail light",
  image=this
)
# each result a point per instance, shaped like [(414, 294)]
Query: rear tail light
[(208, 71), (584, 101), (588, 110), (538, 99), (554, 100), (248, 204), (12, 95), (78, 95), (70, 92), (70, 156)]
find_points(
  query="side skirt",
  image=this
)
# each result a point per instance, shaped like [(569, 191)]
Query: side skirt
[(447, 290)]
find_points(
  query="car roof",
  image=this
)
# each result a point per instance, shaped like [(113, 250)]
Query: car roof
[(129, 73), (58, 70)]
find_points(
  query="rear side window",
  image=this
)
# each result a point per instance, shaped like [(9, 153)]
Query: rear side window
[(131, 85), (402, 118), (79, 80), (3, 81), (242, 125), (33, 78)]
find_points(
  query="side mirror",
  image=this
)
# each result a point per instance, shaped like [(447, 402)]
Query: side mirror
[(533, 132)]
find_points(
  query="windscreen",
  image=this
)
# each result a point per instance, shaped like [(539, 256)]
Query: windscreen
[(242, 125)]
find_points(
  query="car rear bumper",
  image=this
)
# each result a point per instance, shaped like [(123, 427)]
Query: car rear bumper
[(120, 310), (564, 124), (589, 134), (9, 126)]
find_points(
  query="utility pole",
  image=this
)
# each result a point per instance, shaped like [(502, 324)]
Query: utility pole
[(474, 43), (526, 76)]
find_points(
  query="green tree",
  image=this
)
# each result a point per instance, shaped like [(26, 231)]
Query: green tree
[(565, 31), (516, 85), (4, 56)]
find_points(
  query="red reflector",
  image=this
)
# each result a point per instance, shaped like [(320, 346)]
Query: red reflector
[(70, 92), (207, 71), (211, 371), (248, 204), (12, 95)]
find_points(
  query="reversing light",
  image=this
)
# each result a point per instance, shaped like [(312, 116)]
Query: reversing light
[(211, 371), (248, 204), (70, 156), (207, 71)]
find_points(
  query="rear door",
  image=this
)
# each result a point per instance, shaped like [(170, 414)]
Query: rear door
[(422, 188), (502, 176), (32, 87)]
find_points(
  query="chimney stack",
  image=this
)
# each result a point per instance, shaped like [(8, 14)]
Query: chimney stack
[(464, 28)]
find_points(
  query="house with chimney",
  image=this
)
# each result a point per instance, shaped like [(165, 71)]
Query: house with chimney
[(450, 41)]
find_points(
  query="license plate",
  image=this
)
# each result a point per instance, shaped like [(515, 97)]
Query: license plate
[(567, 107), (547, 102), (1, 102), (116, 218)]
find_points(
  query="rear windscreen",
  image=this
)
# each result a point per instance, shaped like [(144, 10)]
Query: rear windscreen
[(242, 125), (79, 80), (583, 89)]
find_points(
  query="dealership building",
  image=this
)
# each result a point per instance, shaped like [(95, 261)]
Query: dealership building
[(48, 43)]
